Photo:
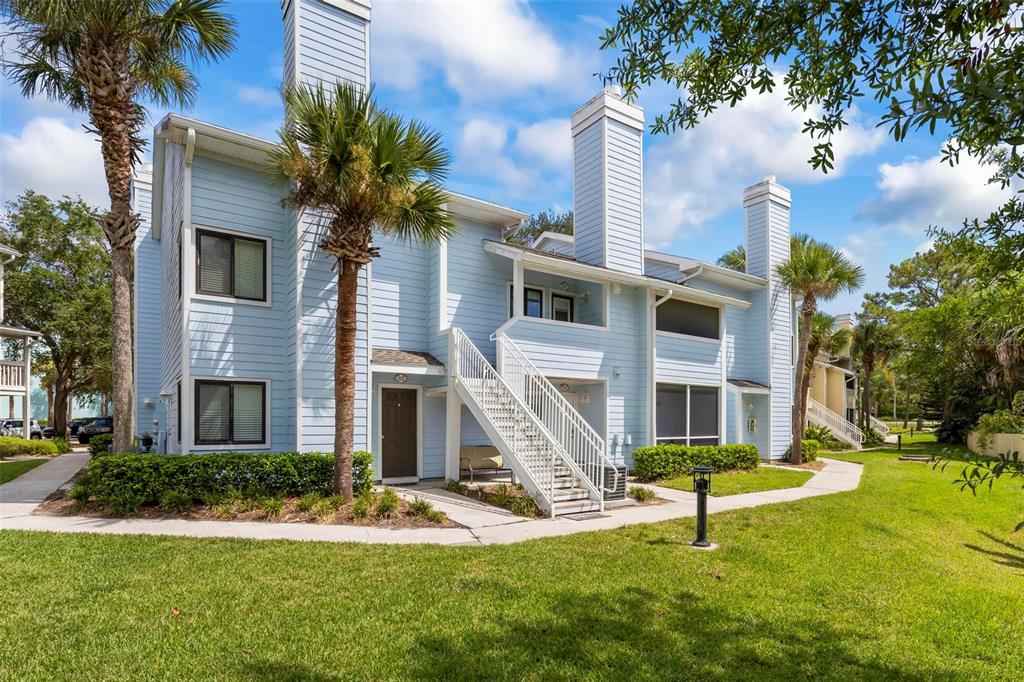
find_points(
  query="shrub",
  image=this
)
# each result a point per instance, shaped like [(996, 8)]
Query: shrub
[(272, 507), (13, 446), (421, 507), (308, 502), (666, 461), (454, 486), (62, 445), (818, 432), (835, 445), (362, 504), (78, 493), (872, 438), (501, 495), (150, 476), (524, 505), (1000, 421), (99, 446), (641, 494), (211, 498), (387, 503), (1017, 406), (808, 450), (176, 501), (953, 431), (224, 510), (124, 502), (362, 471)]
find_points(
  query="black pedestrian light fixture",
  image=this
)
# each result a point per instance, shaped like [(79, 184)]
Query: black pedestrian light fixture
[(702, 486)]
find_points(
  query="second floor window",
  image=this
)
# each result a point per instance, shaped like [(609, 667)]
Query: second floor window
[(533, 302), (683, 317), (229, 265)]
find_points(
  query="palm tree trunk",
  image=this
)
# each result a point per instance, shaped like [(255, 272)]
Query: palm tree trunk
[(345, 376), (800, 399), (122, 342)]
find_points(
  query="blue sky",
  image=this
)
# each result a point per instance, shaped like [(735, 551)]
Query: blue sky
[(500, 80)]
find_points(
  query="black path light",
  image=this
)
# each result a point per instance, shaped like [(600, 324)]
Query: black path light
[(702, 486)]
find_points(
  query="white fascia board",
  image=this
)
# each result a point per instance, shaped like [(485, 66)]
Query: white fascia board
[(829, 365), (556, 265), (429, 370), (554, 237), (710, 271)]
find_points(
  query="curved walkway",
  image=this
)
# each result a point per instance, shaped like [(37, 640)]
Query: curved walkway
[(20, 497)]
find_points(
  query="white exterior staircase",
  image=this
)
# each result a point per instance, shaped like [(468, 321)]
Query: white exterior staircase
[(879, 425), (846, 431), (540, 459)]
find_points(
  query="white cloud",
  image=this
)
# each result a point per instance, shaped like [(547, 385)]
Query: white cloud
[(257, 95), (54, 158), (548, 141), (695, 174), (482, 49), (482, 150)]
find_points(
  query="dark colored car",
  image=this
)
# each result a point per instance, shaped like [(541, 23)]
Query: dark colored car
[(48, 432), (13, 427), (95, 427), (72, 428)]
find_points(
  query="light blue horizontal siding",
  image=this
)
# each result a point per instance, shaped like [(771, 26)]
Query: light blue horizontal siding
[(148, 304), (433, 421), (588, 194), (171, 308), (477, 281), (665, 271), (625, 198), (332, 44), (592, 353), (688, 361), (400, 289), (237, 340)]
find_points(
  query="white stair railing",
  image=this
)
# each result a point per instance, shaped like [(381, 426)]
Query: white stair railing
[(578, 439), (12, 374), (524, 437), (879, 425), (840, 427)]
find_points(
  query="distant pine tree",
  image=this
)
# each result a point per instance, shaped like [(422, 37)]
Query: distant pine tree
[(545, 221)]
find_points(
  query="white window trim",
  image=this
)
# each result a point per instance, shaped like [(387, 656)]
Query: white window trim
[(230, 447), (267, 278), (688, 337), (546, 293), (378, 459), (720, 437)]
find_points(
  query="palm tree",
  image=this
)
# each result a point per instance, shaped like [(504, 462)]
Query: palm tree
[(105, 57), (359, 168), (734, 259), (814, 271), (873, 343), (824, 338)]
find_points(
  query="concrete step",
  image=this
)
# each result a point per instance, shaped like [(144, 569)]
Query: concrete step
[(576, 507), (569, 494)]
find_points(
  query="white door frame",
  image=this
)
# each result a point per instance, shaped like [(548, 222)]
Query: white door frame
[(419, 433)]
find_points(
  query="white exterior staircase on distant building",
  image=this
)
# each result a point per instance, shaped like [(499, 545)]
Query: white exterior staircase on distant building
[(560, 482), (879, 425), (844, 430)]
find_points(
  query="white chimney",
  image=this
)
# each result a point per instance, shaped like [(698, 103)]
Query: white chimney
[(607, 142), (326, 41)]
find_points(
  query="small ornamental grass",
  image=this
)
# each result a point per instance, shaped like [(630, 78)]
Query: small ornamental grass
[(641, 494)]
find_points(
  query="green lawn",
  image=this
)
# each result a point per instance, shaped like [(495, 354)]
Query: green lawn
[(11, 470), (904, 578), (736, 482)]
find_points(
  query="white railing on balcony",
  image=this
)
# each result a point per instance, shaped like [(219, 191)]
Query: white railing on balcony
[(12, 375), (523, 436), (879, 425), (578, 439), (840, 427)]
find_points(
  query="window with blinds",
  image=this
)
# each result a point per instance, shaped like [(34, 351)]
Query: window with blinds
[(228, 265), (229, 412)]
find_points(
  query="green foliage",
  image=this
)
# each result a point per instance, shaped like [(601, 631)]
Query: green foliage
[(539, 223), (1018, 404), (211, 498), (362, 504), (808, 448), (833, 444), (818, 432), (362, 471), (224, 511), (99, 446), (148, 477), (954, 431), (273, 507), (176, 501), (13, 446), (424, 509), (641, 494), (501, 495), (454, 486), (78, 493), (524, 505), (308, 502), (62, 445), (982, 472), (1000, 421), (387, 503), (665, 461)]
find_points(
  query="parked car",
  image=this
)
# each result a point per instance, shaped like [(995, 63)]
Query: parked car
[(72, 429), (13, 427), (95, 427), (48, 432)]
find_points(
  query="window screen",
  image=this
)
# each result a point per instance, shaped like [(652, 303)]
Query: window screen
[(230, 412), (687, 415), (562, 308), (683, 317), (703, 415), (671, 414), (231, 266)]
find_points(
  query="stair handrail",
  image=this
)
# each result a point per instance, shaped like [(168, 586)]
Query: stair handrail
[(576, 436), (821, 414), (879, 425), (470, 363)]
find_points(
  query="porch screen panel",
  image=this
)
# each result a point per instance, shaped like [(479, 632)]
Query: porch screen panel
[(247, 422), (213, 409), (670, 416), (214, 264), (249, 269), (703, 415)]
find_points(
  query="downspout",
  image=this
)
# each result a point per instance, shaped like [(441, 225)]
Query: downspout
[(187, 286), (652, 386)]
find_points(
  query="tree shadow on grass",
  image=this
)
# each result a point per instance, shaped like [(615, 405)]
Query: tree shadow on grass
[(1011, 555), (629, 634)]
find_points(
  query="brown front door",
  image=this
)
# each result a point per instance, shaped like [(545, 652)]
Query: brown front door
[(398, 433)]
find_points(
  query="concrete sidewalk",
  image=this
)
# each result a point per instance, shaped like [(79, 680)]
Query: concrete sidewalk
[(22, 495), (485, 525)]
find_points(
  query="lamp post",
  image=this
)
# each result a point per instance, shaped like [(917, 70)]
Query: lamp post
[(702, 486)]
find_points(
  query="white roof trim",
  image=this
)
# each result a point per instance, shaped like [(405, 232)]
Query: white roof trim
[(607, 104), (553, 236), (559, 265), (429, 370), (709, 272)]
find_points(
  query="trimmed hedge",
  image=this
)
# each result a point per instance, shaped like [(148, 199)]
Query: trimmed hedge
[(12, 446), (145, 479), (99, 445), (666, 461), (808, 449)]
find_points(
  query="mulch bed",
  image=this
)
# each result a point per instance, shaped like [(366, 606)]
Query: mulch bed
[(492, 494), (245, 510)]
